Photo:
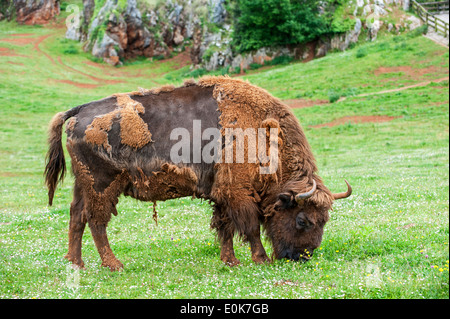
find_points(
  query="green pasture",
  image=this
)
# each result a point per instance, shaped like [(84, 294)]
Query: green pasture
[(388, 240)]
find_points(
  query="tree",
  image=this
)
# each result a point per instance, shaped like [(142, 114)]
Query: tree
[(263, 23)]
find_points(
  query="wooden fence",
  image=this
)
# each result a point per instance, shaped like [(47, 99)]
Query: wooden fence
[(425, 11)]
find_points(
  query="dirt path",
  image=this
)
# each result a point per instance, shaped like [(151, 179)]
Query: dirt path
[(93, 78), (300, 103), (357, 119), (27, 39), (425, 83)]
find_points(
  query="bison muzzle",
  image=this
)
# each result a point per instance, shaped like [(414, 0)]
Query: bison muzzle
[(123, 144)]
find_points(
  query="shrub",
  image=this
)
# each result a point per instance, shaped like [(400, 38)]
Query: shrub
[(254, 66), (282, 59), (423, 29), (333, 96), (362, 52), (71, 49)]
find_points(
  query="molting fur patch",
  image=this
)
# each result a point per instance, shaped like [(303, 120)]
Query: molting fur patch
[(134, 131)]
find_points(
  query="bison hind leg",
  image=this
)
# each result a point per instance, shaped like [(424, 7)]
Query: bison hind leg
[(76, 228), (101, 206), (99, 203)]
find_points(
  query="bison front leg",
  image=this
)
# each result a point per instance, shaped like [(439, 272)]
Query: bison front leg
[(259, 255), (76, 228), (228, 221), (225, 232), (226, 249), (246, 220)]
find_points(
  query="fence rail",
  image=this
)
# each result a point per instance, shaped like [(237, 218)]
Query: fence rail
[(424, 11), (435, 6)]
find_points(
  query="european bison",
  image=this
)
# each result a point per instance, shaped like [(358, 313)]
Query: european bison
[(130, 144)]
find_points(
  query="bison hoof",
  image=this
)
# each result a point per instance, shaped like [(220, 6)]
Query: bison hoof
[(262, 260), (77, 263), (231, 261), (113, 265)]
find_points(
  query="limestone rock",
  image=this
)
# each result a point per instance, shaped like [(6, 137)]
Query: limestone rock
[(36, 11)]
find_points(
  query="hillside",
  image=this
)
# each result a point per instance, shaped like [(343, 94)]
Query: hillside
[(227, 35)]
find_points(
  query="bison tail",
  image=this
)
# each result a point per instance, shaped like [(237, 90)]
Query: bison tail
[(56, 164)]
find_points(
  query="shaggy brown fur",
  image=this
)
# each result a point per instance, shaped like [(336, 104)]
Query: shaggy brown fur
[(134, 132), (98, 206), (239, 186), (168, 183), (137, 166)]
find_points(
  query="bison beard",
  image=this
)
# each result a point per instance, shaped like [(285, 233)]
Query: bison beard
[(121, 145)]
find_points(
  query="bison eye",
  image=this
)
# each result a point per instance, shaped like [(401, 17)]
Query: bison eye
[(302, 222)]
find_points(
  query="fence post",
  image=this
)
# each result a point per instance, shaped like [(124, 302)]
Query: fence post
[(428, 17)]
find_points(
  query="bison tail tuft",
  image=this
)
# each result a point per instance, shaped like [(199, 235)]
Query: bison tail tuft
[(56, 164)]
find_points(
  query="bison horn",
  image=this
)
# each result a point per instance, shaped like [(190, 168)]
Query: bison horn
[(302, 196), (344, 194)]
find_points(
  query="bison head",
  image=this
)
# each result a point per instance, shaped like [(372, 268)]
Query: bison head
[(295, 220)]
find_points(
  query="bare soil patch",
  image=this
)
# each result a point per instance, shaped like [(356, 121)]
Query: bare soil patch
[(39, 41), (21, 34), (94, 78), (19, 41), (181, 59), (408, 70), (301, 103), (113, 71), (357, 119), (15, 63), (9, 52)]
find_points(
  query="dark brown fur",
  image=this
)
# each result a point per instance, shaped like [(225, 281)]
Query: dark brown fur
[(108, 160)]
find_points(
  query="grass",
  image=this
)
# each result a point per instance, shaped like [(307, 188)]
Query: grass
[(388, 240)]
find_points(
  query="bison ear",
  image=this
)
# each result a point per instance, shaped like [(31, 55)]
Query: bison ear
[(285, 201)]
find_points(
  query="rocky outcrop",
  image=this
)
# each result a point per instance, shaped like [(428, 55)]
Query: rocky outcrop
[(31, 11), (127, 29), (369, 17), (116, 30)]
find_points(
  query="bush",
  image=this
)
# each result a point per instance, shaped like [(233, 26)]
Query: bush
[(254, 66), (269, 23), (282, 59), (362, 52), (333, 96), (71, 49), (423, 29)]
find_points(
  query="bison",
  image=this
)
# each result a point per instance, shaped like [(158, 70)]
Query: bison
[(124, 144)]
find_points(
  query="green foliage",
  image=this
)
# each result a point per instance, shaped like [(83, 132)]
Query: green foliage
[(280, 60), (361, 52), (265, 23), (71, 49), (423, 29), (333, 96), (7, 9), (254, 66), (340, 21)]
